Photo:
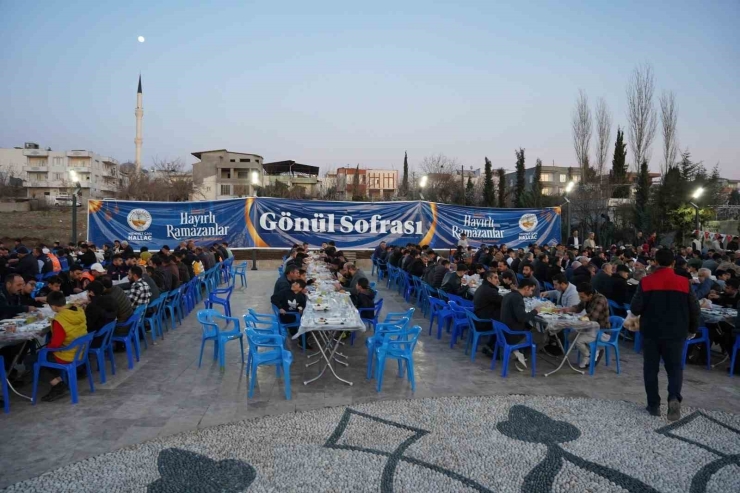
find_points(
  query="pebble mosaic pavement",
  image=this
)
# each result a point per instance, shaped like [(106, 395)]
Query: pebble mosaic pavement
[(507, 444)]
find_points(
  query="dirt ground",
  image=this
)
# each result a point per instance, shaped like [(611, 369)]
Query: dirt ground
[(42, 226)]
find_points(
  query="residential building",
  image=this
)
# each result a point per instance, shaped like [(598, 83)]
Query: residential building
[(221, 174), (47, 174), (554, 179), (293, 175), (374, 184)]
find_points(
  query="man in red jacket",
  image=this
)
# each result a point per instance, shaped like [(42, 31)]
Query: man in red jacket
[(669, 312)]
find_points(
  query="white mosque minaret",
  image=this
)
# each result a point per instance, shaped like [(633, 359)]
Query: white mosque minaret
[(139, 115)]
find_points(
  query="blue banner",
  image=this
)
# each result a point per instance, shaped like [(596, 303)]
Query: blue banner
[(279, 223)]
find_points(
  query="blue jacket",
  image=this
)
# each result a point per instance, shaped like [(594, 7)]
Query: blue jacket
[(701, 290)]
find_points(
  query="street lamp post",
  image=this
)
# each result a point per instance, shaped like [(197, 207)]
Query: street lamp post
[(568, 189), (77, 190), (697, 193), (422, 184)]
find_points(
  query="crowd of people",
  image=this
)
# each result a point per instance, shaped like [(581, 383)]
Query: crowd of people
[(662, 285), (115, 281)]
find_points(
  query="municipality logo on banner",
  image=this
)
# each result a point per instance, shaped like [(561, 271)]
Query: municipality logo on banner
[(139, 220), (528, 223)]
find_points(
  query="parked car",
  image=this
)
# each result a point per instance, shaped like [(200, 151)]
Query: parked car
[(65, 201)]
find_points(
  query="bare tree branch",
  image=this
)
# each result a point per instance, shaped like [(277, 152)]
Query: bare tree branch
[(582, 129), (441, 183), (641, 117), (603, 133), (669, 118)]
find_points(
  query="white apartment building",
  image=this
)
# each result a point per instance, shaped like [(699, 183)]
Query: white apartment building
[(46, 173), (222, 174)]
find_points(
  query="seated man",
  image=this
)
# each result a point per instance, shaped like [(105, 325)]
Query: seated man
[(67, 325), (11, 303), (364, 297), (703, 284), (487, 305), (528, 273), (117, 269), (289, 301), (99, 311), (565, 294), (730, 297), (597, 310), (515, 316), (452, 282)]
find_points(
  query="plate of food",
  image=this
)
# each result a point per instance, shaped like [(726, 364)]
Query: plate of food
[(320, 308)]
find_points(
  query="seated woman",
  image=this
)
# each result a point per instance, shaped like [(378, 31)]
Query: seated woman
[(68, 324)]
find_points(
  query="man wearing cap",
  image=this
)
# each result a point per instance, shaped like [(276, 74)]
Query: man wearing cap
[(97, 270), (27, 266), (620, 289)]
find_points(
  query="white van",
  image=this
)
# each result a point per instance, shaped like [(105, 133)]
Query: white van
[(65, 201)]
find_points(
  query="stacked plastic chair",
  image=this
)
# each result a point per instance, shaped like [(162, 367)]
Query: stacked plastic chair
[(399, 346), (209, 320)]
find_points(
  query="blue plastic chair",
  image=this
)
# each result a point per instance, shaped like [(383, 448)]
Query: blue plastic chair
[(374, 263), (173, 308), (394, 322), (81, 346), (105, 349), (696, 340), (132, 337), (459, 322), (4, 384), (441, 311), (382, 269), (155, 318), (475, 335), (200, 282), (735, 349), (285, 326), (548, 286), (208, 319), (427, 291), (240, 271), (460, 300), (64, 264), (519, 277), (276, 355), (399, 346), (501, 331), (616, 324), (225, 301), (264, 324), (369, 316)]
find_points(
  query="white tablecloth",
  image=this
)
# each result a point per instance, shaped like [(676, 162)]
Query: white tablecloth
[(340, 309)]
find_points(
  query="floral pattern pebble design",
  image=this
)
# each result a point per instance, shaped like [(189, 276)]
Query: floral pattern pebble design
[(507, 443)]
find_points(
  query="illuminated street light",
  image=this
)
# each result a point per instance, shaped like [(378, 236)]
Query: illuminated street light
[(255, 178), (569, 186), (423, 181), (697, 193)]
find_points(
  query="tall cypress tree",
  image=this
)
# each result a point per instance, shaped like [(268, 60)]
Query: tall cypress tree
[(619, 168), (356, 195), (642, 197), (520, 183), (537, 185), (501, 173), (405, 179), (470, 192), (489, 195)]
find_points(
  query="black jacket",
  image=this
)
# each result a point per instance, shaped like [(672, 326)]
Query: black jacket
[(88, 258), (417, 268), (581, 274), (429, 273), (667, 306), (620, 290), (10, 305), (439, 275), (602, 283), (452, 284), (364, 300), (487, 303), (100, 311), (514, 313), (289, 301), (28, 267), (281, 284)]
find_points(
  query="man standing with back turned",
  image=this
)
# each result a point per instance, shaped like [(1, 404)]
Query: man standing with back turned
[(669, 312)]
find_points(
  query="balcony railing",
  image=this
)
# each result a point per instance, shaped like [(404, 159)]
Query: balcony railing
[(35, 152)]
